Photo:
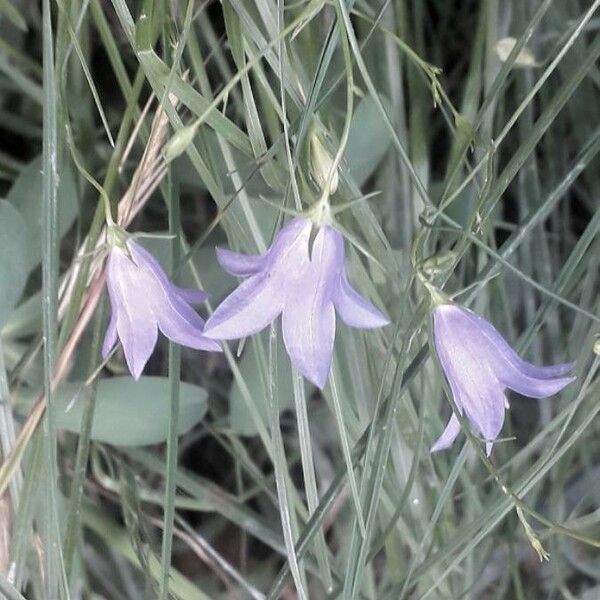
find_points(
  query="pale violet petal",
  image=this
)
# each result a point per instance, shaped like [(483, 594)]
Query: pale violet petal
[(178, 330), (190, 295), (136, 324), (309, 315), (485, 409), (531, 386), (175, 317), (238, 264), (288, 256), (167, 301), (327, 261), (296, 231), (243, 265), (479, 365), (260, 299), (146, 262), (509, 368), (545, 372), (110, 338), (500, 352), (475, 387), (248, 309), (169, 304), (138, 336), (309, 337), (448, 436), (444, 343), (353, 309)]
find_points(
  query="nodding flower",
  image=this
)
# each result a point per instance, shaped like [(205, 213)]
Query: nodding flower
[(305, 285), (479, 366), (143, 300)]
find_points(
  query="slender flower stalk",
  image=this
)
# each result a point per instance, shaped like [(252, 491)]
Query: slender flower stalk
[(479, 366), (143, 300), (306, 285)]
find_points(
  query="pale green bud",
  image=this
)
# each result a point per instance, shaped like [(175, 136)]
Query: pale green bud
[(322, 164), (525, 58), (180, 141), (438, 263), (115, 236)]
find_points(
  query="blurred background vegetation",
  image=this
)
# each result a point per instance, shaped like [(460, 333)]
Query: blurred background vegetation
[(469, 127)]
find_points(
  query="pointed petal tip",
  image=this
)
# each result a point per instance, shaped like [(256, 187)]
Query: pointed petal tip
[(439, 446), (448, 436), (567, 381), (221, 332), (354, 309), (311, 368), (436, 448), (384, 320), (247, 310), (562, 369), (318, 379), (106, 349), (191, 295), (137, 352), (308, 329), (547, 372), (108, 345), (215, 332), (537, 387), (110, 337), (136, 365), (210, 345), (375, 320), (208, 333), (181, 332), (136, 370), (238, 264)]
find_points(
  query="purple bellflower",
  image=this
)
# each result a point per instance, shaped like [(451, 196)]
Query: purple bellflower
[(306, 285), (143, 300), (479, 366)]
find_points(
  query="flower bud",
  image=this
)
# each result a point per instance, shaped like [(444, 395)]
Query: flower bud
[(322, 163), (179, 142), (525, 58), (115, 236), (439, 263)]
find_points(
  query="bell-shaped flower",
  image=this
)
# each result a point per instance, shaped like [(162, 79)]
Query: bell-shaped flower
[(479, 366), (306, 285), (143, 300)]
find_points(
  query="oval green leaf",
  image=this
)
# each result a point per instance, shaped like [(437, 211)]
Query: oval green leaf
[(368, 141), (15, 249), (129, 412), (26, 196)]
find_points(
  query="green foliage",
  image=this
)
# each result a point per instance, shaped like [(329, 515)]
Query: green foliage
[(26, 196), (368, 141), (16, 258), (255, 384), (466, 139), (137, 407)]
